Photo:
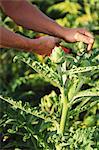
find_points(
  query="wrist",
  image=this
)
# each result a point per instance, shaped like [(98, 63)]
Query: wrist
[(32, 45), (64, 33), (61, 32), (29, 45)]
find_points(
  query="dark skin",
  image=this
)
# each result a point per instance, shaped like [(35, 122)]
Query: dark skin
[(30, 17)]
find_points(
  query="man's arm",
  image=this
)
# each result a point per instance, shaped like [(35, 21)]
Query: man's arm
[(29, 16), (10, 39)]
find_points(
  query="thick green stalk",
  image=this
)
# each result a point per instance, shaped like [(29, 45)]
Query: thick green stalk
[(64, 111)]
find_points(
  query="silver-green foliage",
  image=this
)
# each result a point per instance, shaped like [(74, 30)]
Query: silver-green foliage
[(58, 120)]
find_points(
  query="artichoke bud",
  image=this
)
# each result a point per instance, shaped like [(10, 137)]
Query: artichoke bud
[(81, 47), (57, 55), (49, 102)]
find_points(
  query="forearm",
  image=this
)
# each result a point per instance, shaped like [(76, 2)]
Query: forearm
[(31, 17), (12, 40), (27, 15)]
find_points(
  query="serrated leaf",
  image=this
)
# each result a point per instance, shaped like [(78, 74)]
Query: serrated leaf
[(87, 93), (48, 73)]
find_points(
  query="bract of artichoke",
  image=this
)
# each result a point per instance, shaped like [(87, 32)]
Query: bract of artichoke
[(57, 55)]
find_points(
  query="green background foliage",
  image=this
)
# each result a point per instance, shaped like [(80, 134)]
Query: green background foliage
[(22, 130)]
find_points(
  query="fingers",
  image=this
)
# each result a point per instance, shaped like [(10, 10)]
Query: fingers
[(89, 35), (83, 38), (86, 39), (89, 47), (90, 44), (84, 31)]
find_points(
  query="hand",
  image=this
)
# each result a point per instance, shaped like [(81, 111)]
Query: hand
[(79, 34), (44, 45)]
